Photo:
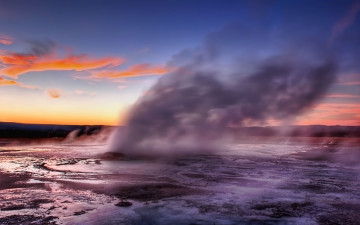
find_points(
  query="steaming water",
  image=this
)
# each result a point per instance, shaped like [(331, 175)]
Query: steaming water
[(274, 181)]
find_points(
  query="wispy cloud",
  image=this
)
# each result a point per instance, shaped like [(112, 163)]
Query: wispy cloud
[(29, 86), (18, 64), (57, 93), (121, 87), (339, 107), (345, 22), (53, 93), (350, 83), (43, 56), (5, 82), (79, 92), (333, 114), (136, 70), (342, 96), (5, 40)]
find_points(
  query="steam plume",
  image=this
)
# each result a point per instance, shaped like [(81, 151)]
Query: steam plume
[(188, 109)]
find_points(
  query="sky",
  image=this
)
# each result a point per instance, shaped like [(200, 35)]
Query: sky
[(88, 62)]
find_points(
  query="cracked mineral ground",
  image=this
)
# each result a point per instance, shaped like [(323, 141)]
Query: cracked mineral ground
[(257, 181)]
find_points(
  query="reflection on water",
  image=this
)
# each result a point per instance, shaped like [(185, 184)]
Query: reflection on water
[(287, 181)]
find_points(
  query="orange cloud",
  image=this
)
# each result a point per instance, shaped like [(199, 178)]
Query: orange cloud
[(54, 93), (17, 59), (345, 22), (17, 64), (5, 40), (4, 82), (136, 70)]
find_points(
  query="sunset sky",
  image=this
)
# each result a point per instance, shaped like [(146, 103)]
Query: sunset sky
[(87, 62)]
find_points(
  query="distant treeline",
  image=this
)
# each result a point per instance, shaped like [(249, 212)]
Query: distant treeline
[(18, 130)]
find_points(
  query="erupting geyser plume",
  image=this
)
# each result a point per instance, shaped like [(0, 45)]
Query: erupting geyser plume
[(187, 110)]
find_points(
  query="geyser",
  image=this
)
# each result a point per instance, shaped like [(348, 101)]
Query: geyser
[(188, 110)]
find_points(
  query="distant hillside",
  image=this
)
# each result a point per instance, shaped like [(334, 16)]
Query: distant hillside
[(18, 130)]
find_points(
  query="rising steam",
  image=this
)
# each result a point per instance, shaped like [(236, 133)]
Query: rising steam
[(188, 110)]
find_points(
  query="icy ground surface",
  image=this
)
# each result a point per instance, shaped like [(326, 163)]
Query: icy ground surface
[(282, 181)]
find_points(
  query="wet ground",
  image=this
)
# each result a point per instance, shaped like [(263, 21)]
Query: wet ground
[(280, 181)]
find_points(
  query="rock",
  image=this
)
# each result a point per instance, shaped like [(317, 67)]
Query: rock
[(123, 204), (27, 219), (154, 192), (79, 213), (112, 156), (13, 207)]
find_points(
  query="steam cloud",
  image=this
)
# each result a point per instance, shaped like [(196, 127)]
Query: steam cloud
[(189, 109)]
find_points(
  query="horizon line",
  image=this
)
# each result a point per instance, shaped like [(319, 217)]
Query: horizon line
[(122, 125)]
